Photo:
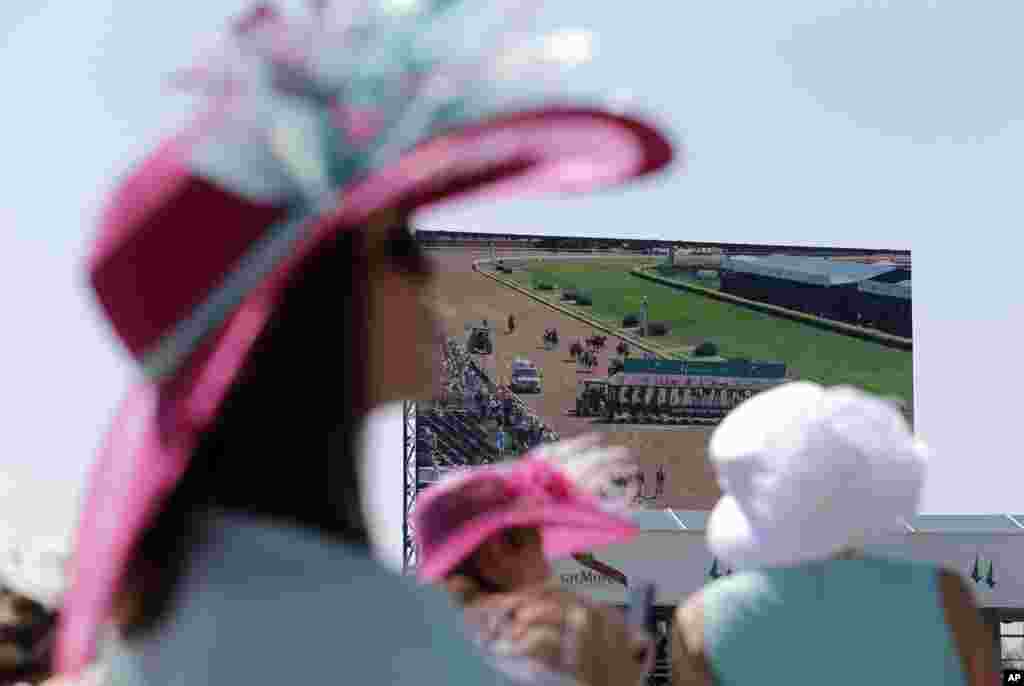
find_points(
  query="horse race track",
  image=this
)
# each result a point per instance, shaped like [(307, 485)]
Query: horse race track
[(464, 296)]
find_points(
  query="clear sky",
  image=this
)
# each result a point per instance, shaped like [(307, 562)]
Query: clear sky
[(808, 121)]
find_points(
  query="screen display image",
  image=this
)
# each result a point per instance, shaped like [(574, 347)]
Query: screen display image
[(651, 343)]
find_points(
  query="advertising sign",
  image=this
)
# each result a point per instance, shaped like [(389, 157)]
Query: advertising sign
[(679, 563), (632, 365), (700, 372)]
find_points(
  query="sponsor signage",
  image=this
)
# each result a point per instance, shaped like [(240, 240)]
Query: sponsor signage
[(638, 366), (699, 373), (693, 381), (585, 577), (654, 380)]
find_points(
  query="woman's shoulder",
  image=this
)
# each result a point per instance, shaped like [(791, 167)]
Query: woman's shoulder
[(902, 570), (277, 603), (299, 563)]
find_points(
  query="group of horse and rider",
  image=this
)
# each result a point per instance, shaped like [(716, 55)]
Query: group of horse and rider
[(585, 352)]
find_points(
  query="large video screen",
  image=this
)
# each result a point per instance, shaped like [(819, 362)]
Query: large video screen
[(650, 343)]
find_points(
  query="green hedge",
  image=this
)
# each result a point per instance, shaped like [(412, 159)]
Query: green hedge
[(706, 349)]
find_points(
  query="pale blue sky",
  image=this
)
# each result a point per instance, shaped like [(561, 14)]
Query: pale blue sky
[(809, 122)]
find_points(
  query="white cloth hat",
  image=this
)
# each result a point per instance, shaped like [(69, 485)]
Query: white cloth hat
[(806, 471)]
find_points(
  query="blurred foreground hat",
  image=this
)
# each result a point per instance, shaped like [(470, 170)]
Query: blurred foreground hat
[(316, 126), (806, 471), (455, 517)]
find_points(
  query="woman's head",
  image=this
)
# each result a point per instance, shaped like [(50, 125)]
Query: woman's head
[(509, 560), (25, 632), (500, 525), (283, 443), (203, 238)]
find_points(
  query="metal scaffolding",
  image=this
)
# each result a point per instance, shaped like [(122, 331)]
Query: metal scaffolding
[(410, 484)]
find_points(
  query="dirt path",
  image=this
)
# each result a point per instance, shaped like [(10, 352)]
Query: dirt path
[(464, 296)]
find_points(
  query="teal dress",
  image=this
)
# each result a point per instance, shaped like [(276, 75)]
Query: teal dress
[(842, 622), (267, 605)]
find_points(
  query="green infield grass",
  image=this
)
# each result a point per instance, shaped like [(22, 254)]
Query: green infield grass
[(810, 352)]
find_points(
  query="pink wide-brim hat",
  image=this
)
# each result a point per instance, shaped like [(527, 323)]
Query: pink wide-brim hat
[(456, 516), (170, 238)]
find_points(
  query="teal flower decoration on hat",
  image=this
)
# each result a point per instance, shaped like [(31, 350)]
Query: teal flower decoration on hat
[(297, 108), (338, 92)]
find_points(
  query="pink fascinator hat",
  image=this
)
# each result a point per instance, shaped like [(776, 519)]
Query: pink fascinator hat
[(454, 517)]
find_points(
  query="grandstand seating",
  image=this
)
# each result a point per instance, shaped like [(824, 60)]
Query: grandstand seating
[(452, 437), (473, 432), (449, 447), (461, 443)]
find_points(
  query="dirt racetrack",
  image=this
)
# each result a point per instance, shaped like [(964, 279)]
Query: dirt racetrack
[(464, 296)]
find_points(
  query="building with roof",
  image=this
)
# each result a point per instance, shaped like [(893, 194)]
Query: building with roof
[(867, 294), (887, 306)]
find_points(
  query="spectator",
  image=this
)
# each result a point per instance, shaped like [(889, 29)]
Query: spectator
[(501, 442), (481, 405), (219, 513), (488, 535), (810, 476), (26, 632)]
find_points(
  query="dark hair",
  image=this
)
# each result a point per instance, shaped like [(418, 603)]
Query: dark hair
[(284, 443)]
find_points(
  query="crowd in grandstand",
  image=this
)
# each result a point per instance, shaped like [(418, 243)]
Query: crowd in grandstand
[(475, 421)]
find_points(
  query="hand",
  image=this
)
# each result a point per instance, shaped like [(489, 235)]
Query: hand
[(463, 589), (568, 634)]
